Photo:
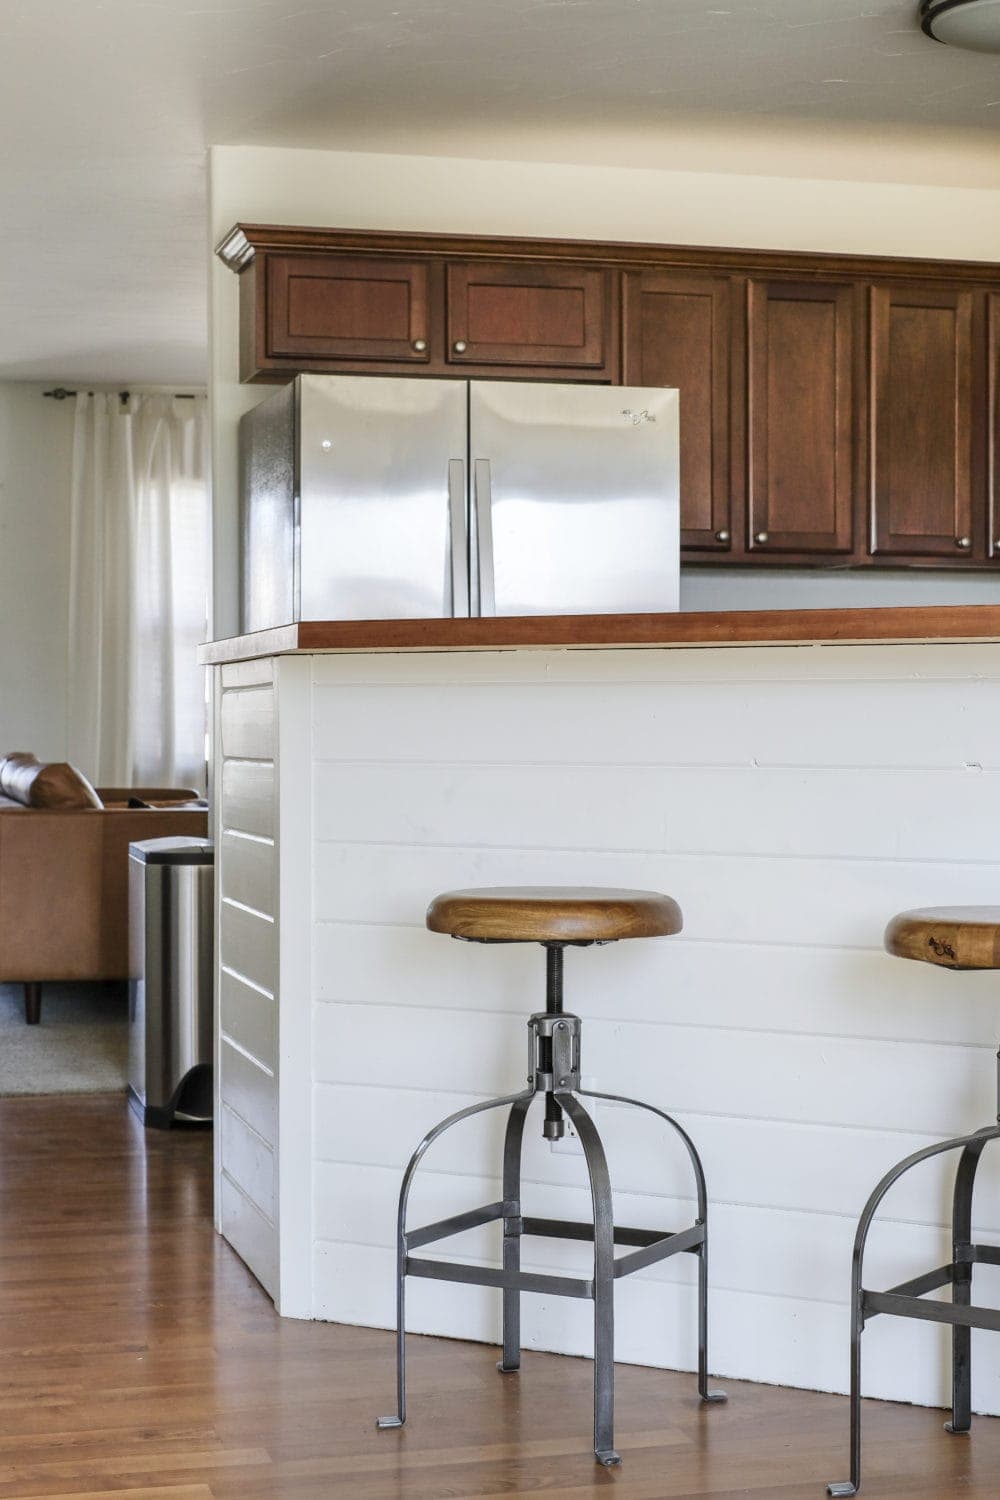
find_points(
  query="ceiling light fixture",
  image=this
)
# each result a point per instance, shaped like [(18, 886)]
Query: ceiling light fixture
[(963, 23)]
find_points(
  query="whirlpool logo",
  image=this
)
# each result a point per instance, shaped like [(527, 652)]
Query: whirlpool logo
[(634, 418)]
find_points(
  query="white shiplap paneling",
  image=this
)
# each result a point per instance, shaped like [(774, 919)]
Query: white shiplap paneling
[(791, 799), (247, 967)]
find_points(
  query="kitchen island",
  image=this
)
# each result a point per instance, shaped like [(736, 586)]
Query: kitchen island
[(791, 794)]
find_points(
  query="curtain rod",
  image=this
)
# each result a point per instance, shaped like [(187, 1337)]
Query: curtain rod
[(62, 394)]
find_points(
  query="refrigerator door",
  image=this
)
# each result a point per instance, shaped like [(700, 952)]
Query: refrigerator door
[(382, 498), (575, 498)]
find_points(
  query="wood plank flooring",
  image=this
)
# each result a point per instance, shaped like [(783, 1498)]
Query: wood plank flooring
[(138, 1358)]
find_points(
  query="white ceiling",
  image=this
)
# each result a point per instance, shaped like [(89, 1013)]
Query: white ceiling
[(107, 106)]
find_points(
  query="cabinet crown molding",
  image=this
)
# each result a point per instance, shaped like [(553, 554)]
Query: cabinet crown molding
[(235, 250), (238, 248)]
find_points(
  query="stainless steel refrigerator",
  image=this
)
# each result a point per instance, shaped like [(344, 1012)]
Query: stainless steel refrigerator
[(370, 497)]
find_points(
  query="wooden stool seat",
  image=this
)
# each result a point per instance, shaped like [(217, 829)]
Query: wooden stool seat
[(953, 937), (553, 914)]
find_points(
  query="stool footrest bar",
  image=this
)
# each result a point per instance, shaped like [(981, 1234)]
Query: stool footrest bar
[(521, 1281), (957, 1314), (920, 1285), (574, 1229), (666, 1245), (458, 1224)]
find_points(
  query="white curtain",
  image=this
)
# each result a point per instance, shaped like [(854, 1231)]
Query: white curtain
[(139, 589)]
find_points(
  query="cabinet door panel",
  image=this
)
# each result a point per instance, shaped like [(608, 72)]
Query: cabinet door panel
[(678, 331), (346, 307), (527, 315), (802, 444), (921, 422)]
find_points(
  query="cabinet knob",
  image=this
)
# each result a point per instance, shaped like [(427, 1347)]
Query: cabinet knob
[(761, 537), (459, 346), (419, 345), (963, 542), (722, 536)]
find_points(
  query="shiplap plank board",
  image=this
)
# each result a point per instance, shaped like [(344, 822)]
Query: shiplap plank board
[(248, 871), (248, 724), (248, 945), (822, 813), (251, 1233), (851, 992), (938, 662), (249, 1089), (817, 1079), (241, 674), (724, 897), (912, 722), (249, 1018), (751, 1249), (249, 1161), (758, 1163), (248, 796)]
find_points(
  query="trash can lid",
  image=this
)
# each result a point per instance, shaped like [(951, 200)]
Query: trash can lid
[(173, 851)]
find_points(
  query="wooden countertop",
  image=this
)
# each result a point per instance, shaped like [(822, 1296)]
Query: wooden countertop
[(777, 627)]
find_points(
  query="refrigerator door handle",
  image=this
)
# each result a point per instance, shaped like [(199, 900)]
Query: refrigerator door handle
[(484, 535), (459, 539)]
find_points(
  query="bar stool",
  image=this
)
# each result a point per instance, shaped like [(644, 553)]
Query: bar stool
[(557, 918), (953, 937)]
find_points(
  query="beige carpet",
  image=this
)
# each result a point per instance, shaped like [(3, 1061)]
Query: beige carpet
[(80, 1047)]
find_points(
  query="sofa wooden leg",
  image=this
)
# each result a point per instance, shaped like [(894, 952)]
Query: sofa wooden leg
[(32, 1002)]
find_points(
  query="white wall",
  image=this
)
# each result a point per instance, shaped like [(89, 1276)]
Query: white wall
[(357, 190), (36, 442), (791, 799), (832, 588)]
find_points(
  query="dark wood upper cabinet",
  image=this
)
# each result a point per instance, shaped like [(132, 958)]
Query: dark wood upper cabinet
[(835, 410), (679, 331), (922, 418), (801, 384), (334, 307), (554, 317)]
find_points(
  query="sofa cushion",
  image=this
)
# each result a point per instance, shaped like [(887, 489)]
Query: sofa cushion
[(59, 786)]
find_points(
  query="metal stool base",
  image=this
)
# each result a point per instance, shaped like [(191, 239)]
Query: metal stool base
[(644, 1247), (906, 1300), (553, 1074)]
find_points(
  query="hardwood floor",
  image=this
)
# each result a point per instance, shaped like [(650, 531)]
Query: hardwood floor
[(138, 1358)]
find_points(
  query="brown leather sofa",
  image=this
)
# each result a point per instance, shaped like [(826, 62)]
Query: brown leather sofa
[(64, 872)]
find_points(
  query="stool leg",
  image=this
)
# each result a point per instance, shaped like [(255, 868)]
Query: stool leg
[(525, 1098), (400, 1417), (714, 1397), (961, 1290), (851, 1486), (604, 1281), (513, 1138), (703, 1390)]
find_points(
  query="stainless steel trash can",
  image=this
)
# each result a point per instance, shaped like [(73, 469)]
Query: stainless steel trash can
[(170, 980)]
